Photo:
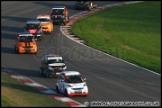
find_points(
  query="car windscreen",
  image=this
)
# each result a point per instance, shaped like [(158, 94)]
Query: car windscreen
[(26, 38), (55, 61), (74, 79), (57, 11), (32, 26), (43, 20)]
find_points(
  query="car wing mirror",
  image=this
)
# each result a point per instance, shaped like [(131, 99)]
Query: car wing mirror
[(85, 79)]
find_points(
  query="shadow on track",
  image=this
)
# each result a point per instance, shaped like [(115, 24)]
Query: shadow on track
[(18, 19), (12, 29), (8, 36), (7, 50)]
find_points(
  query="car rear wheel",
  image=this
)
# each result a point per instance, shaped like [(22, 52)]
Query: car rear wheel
[(66, 94)]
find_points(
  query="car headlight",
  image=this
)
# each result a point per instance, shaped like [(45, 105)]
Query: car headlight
[(65, 67), (50, 68)]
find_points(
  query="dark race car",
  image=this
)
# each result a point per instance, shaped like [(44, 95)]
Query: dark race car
[(52, 65), (59, 14), (86, 5), (34, 27)]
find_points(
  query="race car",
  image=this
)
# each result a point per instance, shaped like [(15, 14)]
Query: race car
[(71, 83), (25, 43), (52, 65), (46, 23), (59, 14), (87, 5), (35, 28)]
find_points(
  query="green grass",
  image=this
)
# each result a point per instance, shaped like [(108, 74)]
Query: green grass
[(17, 94), (131, 32)]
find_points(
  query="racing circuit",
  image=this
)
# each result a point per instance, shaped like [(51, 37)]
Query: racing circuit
[(108, 79)]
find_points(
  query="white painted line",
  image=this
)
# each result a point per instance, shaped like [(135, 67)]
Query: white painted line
[(64, 99), (35, 85), (14, 76)]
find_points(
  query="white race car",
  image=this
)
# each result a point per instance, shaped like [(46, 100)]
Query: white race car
[(71, 83)]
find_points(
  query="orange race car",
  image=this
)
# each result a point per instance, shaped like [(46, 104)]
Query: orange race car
[(25, 43), (46, 22)]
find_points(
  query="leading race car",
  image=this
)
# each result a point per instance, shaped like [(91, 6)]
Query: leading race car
[(52, 65), (46, 23), (25, 43), (87, 5), (71, 83), (35, 28)]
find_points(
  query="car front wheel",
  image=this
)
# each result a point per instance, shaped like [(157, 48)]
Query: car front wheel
[(66, 94), (57, 89)]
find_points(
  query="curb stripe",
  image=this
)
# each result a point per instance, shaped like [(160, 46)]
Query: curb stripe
[(44, 89)]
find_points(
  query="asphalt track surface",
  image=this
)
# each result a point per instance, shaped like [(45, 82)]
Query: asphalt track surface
[(108, 79)]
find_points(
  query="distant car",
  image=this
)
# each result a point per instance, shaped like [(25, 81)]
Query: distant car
[(52, 65), (71, 83), (25, 43), (59, 14), (86, 5), (46, 23), (35, 28)]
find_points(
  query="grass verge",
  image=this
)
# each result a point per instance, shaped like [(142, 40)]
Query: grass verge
[(17, 94), (131, 32)]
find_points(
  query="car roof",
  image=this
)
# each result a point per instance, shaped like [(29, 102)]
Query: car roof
[(58, 7), (25, 34), (43, 16), (53, 56), (69, 73), (33, 21)]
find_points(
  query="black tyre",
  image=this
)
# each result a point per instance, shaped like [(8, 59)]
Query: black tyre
[(66, 94), (57, 89)]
